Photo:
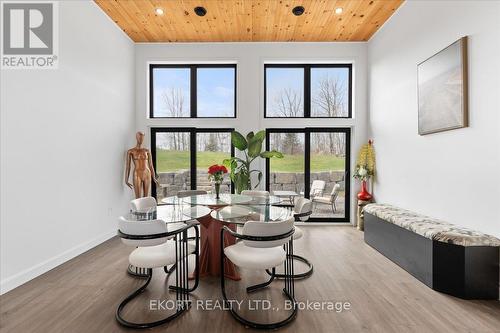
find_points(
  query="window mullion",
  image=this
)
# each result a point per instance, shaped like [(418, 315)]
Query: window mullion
[(193, 85), (307, 162), (193, 148), (307, 91)]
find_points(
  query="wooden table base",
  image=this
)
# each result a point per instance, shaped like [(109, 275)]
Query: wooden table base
[(210, 249)]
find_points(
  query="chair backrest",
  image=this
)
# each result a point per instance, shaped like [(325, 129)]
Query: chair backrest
[(317, 187), (143, 205), (256, 194), (188, 193), (303, 205), (335, 191), (141, 228), (263, 229)]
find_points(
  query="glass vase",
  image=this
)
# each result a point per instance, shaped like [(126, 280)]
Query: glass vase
[(217, 190)]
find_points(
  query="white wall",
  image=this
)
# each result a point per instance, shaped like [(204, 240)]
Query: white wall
[(451, 175), (63, 137), (250, 58)]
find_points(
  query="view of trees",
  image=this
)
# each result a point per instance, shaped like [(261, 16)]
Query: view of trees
[(289, 103), (327, 101), (329, 98), (174, 102), (214, 142), (210, 142)]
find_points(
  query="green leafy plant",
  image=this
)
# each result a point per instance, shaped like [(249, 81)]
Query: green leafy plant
[(251, 146)]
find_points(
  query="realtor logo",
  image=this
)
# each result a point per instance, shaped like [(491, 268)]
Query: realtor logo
[(29, 35)]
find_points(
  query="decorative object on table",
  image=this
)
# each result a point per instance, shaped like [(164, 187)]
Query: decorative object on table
[(365, 169), (442, 90), (216, 175), (252, 148), (361, 214), (143, 168)]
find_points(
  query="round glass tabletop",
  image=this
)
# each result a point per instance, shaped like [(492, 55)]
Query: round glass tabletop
[(173, 200), (172, 213), (210, 200), (272, 200), (239, 214)]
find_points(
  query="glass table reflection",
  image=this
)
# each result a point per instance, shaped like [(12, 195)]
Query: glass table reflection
[(171, 213), (225, 199), (172, 200), (210, 200), (271, 200), (240, 214)]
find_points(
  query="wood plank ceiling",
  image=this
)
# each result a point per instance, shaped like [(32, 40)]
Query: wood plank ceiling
[(249, 20)]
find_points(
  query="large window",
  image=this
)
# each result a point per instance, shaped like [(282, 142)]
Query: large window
[(315, 165), (307, 91), (181, 157), (192, 91)]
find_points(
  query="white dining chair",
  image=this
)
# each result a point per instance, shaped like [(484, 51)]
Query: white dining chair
[(263, 245), (157, 246), (143, 205), (330, 200)]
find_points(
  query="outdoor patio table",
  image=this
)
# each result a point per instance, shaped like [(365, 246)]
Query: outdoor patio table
[(287, 194)]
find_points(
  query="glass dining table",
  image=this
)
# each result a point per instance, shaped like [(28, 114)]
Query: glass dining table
[(171, 214), (228, 210)]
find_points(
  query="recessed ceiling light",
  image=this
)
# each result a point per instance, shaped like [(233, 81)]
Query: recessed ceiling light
[(159, 11), (297, 11), (200, 11), (338, 10)]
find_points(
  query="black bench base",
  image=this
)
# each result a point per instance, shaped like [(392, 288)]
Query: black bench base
[(468, 272)]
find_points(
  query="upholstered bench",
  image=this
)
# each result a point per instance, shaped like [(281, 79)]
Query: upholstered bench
[(450, 259)]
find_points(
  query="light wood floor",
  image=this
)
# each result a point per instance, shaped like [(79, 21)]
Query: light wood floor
[(82, 295)]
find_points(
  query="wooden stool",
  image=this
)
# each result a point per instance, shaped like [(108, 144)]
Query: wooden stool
[(361, 217)]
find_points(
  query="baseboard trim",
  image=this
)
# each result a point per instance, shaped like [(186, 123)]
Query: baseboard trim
[(22, 277)]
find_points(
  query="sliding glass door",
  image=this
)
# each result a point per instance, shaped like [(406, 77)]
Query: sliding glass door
[(316, 165), (181, 157), (327, 174)]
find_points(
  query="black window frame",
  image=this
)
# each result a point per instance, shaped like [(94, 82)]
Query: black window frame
[(307, 88), (193, 88), (307, 165), (192, 148)]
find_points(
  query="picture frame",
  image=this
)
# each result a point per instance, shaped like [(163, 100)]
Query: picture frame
[(442, 84)]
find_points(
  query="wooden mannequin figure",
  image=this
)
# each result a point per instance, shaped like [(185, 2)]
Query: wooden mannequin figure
[(143, 168)]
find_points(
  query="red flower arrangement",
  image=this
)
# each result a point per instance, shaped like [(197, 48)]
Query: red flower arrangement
[(216, 173)]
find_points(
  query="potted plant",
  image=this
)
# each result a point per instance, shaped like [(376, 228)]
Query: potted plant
[(216, 175), (365, 169), (251, 146)]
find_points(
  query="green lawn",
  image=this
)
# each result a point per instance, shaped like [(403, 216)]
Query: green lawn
[(295, 163), (173, 160)]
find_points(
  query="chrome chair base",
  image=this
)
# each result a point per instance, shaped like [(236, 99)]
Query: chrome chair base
[(137, 272), (180, 310), (296, 276), (181, 287)]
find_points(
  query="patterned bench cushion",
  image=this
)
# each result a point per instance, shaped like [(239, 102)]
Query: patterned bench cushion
[(431, 228)]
